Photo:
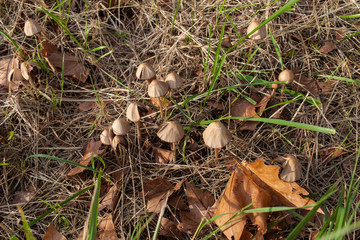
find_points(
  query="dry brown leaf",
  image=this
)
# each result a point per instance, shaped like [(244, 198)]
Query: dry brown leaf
[(53, 234), (178, 203), (72, 67), (327, 86), (155, 192), (282, 193), (107, 227), (306, 84), (21, 197), (157, 101), (110, 199), (240, 191), (330, 153), (169, 229), (86, 106), (199, 203), (243, 108), (92, 148), (162, 155), (327, 47)]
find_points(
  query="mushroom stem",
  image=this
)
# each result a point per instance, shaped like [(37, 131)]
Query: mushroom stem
[(161, 109), (216, 154), (117, 156), (138, 132), (282, 92), (174, 151)]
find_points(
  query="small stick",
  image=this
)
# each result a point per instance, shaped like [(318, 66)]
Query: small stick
[(282, 92), (161, 109), (117, 156)]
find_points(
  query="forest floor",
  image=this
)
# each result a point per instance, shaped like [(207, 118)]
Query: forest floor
[(82, 77)]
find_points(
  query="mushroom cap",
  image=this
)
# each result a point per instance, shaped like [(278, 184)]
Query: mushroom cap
[(157, 88), (106, 136), (257, 35), (15, 75), (31, 27), (120, 126), (216, 135), (119, 140), (145, 71), (174, 80), (291, 169), (286, 75), (132, 112), (171, 131)]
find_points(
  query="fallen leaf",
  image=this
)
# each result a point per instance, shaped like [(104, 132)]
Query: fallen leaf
[(327, 47), (340, 33), (243, 108), (178, 203), (53, 234), (162, 155), (216, 105), (93, 148), (282, 193), (155, 192), (331, 153), (110, 199), (107, 227), (21, 197), (306, 84), (72, 67), (157, 101), (199, 203), (86, 106), (226, 42), (241, 191), (328, 86), (169, 229)]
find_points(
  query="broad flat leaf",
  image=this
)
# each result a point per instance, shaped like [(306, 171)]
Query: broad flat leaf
[(178, 203), (72, 67), (282, 193), (108, 229), (110, 199), (92, 148), (155, 192), (243, 108), (169, 229), (53, 234), (240, 191), (330, 153), (328, 86), (86, 106), (327, 47)]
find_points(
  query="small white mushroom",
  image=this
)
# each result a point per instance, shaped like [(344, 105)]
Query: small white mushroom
[(31, 28), (258, 34), (216, 135), (291, 169), (171, 132)]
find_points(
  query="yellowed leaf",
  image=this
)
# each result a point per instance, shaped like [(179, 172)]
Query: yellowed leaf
[(107, 227)]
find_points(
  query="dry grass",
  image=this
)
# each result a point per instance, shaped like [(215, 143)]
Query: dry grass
[(41, 128)]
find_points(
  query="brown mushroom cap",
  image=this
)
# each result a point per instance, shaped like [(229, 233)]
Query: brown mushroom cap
[(216, 135), (286, 75), (15, 75), (132, 112), (31, 28), (119, 140), (120, 126), (291, 169), (157, 88), (145, 71), (174, 80), (106, 136), (171, 132), (257, 35)]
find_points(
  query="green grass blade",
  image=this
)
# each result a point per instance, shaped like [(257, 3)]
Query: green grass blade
[(13, 42), (276, 49), (339, 78), (293, 234), (26, 227), (94, 210)]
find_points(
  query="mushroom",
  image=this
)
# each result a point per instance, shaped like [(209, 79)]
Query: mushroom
[(120, 127), (145, 72), (216, 135), (291, 169), (174, 81), (122, 143), (286, 76), (132, 113), (106, 136), (226, 41), (171, 132), (258, 34), (158, 89), (31, 27)]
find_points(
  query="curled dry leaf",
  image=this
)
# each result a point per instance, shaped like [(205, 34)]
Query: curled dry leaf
[(169, 229), (72, 67), (162, 155), (86, 106), (93, 148), (107, 227), (306, 84), (243, 108), (110, 199), (53, 234), (21, 197), (327, 47), (331, 152), (6, 65)]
